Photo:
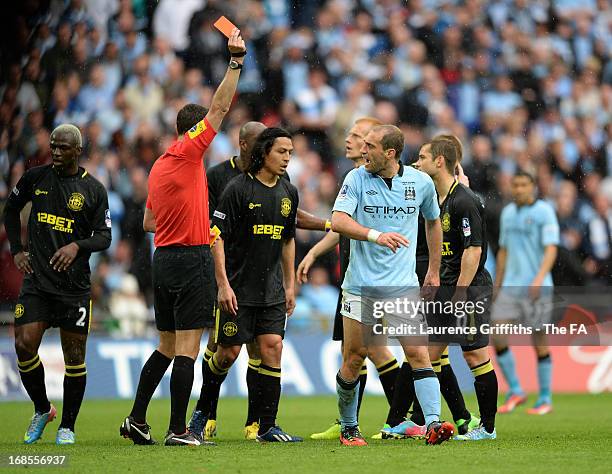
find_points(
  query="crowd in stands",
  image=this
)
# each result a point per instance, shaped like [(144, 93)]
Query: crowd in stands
[(525, 84)]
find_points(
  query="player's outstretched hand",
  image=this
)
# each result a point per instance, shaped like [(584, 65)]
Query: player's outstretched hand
[(64, 257), (22, 262), (290, 301), (304, 267), (235, 43), (227, 300), (392, 240)]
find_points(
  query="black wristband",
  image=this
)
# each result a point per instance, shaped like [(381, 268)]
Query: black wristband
[(238, 55)]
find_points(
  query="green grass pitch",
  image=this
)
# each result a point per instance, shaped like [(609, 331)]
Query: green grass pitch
[(576, 437)]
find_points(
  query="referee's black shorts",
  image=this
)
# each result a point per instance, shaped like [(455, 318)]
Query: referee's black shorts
[(183, 287)]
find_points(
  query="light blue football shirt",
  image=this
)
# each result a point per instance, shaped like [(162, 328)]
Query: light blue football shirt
[(525, 232), (369, 201)]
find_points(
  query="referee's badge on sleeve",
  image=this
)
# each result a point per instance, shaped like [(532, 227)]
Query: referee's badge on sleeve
[(218, 214), (196, 129), (107, 218)]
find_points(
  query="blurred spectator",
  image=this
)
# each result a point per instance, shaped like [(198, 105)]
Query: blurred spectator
[(129, 309), (143, 95), (599, 237), (317, 106), (95, 95), (26, 97), (320, 295), (171, 21)]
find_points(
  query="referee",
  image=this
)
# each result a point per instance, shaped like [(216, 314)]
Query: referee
[(182, 264), (68, 221)]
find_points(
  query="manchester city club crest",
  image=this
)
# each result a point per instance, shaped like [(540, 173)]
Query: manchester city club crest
[(446, 222), (409, 192), (285, 207), (76, 202)]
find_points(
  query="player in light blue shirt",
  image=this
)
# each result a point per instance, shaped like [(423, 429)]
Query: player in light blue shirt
[(367, 198), (378, 208), (529, 235)]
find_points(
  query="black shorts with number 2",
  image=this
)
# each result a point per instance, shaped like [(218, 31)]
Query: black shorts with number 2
[(250, 322), (71, 313)]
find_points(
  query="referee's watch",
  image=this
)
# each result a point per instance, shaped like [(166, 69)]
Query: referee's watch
[(235, 65)]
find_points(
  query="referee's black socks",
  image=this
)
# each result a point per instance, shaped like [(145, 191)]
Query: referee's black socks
[(32, 375), (75, 379), (212, 378), (269, 390), (150, 376), (181, 383), (485, 384)]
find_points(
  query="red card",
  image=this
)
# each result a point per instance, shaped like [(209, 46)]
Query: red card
[(224, 26)]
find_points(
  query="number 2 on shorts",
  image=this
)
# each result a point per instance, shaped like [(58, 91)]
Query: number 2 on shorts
[(83, 313)]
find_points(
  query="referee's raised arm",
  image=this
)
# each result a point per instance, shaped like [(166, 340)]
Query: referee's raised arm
[(182, 270), (224, 94)]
